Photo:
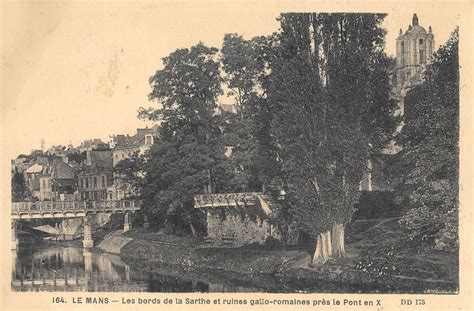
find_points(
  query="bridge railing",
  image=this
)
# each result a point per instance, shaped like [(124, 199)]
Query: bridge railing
[(60, 206)]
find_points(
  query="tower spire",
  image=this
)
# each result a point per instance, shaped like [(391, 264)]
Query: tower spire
[(415, 20)]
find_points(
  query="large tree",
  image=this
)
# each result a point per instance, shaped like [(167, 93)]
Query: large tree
[(129, 175), (245, 66), (429, 161), (188, 158), (20, 190), (329, 96)]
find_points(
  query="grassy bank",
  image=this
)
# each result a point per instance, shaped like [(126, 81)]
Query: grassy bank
[(378, 259)]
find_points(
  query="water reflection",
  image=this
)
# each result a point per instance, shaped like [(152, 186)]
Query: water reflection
[(70, 268)]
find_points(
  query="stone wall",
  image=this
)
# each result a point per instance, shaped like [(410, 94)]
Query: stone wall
[(222, 224), (113, 242)]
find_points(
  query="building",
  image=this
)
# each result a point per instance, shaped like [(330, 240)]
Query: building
[(50, 180), (96, 175), (31, 175), (414, 52), (61, 181), (57, 150), (20, 164), (92, 144), (125, 147)]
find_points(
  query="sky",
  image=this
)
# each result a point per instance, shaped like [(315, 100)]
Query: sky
[(75, 71)]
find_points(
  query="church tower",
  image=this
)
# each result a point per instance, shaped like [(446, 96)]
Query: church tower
[(414, 52)]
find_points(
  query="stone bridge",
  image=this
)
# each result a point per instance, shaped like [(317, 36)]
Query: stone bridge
[(71, 209)]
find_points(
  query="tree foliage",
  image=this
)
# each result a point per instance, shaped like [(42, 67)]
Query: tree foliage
[(312, 107), (20, 190), (429, 161), (245, 66), (188, 159), (129, 175), (329, 97)]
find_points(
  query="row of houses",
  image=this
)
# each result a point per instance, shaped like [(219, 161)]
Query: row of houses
[(82, 173)]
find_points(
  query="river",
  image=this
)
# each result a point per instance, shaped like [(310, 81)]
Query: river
[(60, 266), (66, 266)]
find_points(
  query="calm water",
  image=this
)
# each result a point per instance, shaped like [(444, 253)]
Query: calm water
[(50, 267), (61, 267)]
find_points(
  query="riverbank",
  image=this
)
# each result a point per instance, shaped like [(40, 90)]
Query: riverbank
[(367, 266)]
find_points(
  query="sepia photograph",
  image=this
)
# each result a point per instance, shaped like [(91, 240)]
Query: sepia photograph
[(174, 148)]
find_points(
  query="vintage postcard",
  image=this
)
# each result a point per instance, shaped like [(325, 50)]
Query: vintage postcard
[(236, 155)]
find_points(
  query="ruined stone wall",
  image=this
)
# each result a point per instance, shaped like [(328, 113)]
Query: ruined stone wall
[(225, 225)]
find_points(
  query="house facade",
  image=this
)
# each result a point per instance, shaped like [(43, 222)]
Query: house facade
[(96, 176), (125, 147), (50, 179)]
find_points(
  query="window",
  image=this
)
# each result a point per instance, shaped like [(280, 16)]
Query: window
[(87, 182), (420, 41), (403, 53), (103, 181), (148, 140), (422, 56), (95, 182)]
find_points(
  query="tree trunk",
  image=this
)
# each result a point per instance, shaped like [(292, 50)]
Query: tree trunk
[(338, 240), (316, 48), (193, 229), (323, 248), (328, 243)]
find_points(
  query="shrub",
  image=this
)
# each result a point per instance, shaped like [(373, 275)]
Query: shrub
[(377, 204)]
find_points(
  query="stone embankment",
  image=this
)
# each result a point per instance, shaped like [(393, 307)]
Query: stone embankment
[(113, 242)]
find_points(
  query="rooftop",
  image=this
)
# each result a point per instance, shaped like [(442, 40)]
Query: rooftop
[(138, 139), (415, 27)]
